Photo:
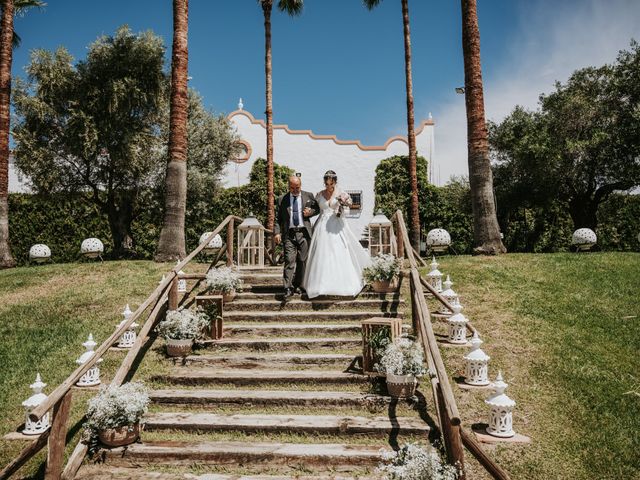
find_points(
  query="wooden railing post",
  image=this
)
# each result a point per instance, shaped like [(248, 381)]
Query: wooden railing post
[(230, 230), (58, 438), (173, 294), (399, 239)]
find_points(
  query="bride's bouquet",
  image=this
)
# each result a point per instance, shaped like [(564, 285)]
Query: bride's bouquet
[(344, 200)]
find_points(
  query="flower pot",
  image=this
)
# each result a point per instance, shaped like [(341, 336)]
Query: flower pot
[(226, 296), (118, 437), (401, 386), (385, 286), (179, 348)]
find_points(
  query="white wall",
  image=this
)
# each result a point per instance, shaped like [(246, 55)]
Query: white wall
[(312, 155)]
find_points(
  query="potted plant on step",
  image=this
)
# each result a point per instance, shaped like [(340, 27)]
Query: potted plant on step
[(401, 361), (224, 281), (114, 415), (180, 328), (413, 462), (383, 273)]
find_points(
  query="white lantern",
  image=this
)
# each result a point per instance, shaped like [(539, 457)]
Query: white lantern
[(128, 338), (39, 253), (438, 240), (380, 234), (434, 277), (584, 239), (251, 243), (449, 295), (91, 376), (91, 248), (501, 415), (164, 277), (214, 244), (457, 325), (476, 364), (35, 427), (182, 282)]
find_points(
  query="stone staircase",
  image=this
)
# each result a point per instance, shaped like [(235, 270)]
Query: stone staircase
[(281, 396)]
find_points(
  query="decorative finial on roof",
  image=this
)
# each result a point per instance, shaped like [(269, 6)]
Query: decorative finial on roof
[(240, 104), (430, 117)]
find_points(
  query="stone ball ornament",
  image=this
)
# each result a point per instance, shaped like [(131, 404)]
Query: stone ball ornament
[(39, 253), (92, 247), (438, 240), (584, 239), (214, 244)]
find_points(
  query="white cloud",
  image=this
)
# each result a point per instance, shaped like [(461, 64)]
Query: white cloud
[(554, 40)]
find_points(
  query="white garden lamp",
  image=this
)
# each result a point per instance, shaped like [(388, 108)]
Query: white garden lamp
[(91, 248), (91, 376), (449, 295), (214, 244), (380, 234), (128, 338), (457, 325), (584, 239), (32, 427), (39, 253), (251, 243), (438, 240), (501, 414), (182, 282), (434, 277), (476, 364)]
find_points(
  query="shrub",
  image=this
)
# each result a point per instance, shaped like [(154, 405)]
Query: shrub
[(384, 267), (183, 324), (402, 357), (223, 279), (115, 407)]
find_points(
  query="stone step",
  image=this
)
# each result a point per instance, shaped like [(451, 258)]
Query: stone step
[(295, 329), (286, 343), (211, 376), (316, 424), (275, 305), (276, 294), (266, 397), (316, 316), (323, 457), (274, 360)]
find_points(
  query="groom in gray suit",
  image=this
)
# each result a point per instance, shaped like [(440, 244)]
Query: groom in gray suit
[(293, 212)]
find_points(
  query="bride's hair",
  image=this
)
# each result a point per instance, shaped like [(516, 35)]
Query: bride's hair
[(330, 174)]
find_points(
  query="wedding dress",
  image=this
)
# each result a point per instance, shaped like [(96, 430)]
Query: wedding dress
[(336, 258)]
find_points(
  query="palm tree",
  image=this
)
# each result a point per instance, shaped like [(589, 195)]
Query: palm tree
[(414, 213), (172, 243), (486, 231), (8, 40), (292, 7)]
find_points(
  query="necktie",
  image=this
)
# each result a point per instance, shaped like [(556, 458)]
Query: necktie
[(296, 215)]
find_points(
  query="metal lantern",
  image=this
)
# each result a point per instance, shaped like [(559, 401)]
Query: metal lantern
[(584, 239), (380, 234), (182, 282), (457, 325), (434, 277), (39, 253), (128, 338), (91, 376), (32, 427), (438, 240), (214, 244), (449, 295), (501, 416), (476, 364), (91, 248), (251, 243)]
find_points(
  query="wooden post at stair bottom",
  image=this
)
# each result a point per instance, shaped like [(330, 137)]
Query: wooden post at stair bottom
[(58, 438), (173, 294), (230, 243), (452, 438)]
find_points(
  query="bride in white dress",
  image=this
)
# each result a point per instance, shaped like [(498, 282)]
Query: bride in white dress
[(336, 258)]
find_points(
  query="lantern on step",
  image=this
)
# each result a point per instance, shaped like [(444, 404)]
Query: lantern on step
[(457, 325), (214, 244), (380, 234), (449, 295), (182, 282), (438, 240), (501, 415), (251, 243), (40, 426), (434, 277), (91, 248), (91, 376), (476, 364), (128, 338)]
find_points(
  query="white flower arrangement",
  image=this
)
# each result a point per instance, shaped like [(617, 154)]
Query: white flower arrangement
[(116, 407), (384, 267), (412, 462), (183, 324), (223, 279), (402, 357)]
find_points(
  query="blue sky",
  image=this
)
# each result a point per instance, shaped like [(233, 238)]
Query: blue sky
[(338, 68)]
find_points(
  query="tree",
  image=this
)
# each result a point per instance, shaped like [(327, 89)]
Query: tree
[(414, 211), (171, 245), (292, 7), (8, 40), (486, 230), (101, 129)]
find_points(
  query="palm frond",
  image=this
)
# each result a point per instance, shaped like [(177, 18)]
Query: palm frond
[(21, 6), (292, 7), (371, 4)]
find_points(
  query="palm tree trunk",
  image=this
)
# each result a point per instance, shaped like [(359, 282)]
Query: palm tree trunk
[(414, 214), (6, 41), (486, 231), (172, 242), (267, 8)]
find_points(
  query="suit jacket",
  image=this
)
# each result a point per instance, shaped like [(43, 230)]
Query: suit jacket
[(282, 212)]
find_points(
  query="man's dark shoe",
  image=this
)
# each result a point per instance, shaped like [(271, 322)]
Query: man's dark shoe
[(299, 290), (288, 293)]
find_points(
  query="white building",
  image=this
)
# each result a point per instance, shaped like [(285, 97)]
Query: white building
[(312, 155)]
